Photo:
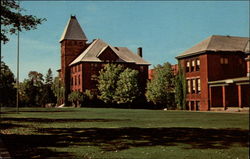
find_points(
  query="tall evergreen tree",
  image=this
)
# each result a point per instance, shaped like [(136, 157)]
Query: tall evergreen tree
[(48, 95), (49, 77)]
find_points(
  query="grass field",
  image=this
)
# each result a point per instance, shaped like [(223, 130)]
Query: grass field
[(124, 133)]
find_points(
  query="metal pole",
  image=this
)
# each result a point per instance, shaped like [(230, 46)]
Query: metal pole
[(0, 71), (17, 78)]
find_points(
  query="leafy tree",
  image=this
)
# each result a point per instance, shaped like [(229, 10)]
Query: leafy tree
[(89, 95), (58, 90), (180, 89), (31, 89), (76, 98), (13, 20), (7, 90), (107, 82), (26, 92), (160, 90), (127, 87), (36, 78)]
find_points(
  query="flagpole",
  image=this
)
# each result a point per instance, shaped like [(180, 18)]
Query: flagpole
[(0, 72), (17, 79)]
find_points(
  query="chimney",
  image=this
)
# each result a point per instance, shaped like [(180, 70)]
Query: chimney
[(139, 51), (248, 65)]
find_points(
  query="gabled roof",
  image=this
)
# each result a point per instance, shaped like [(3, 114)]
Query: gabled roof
[(217, 43), (98, 46), (73, 31)]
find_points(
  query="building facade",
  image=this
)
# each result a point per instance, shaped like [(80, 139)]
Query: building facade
[(217, 73), (81, 61)]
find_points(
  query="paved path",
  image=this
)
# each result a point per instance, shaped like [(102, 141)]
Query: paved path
[(4, 154)]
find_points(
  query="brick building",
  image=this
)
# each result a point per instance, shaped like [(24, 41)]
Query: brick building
[(81, 61), (217, 73)]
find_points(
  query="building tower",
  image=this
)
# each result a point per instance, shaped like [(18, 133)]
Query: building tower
[(73, 42)]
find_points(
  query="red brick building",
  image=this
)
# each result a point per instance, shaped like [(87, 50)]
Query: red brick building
[(81, 61), (217, 73)]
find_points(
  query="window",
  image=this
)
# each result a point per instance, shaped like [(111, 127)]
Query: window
[(141, 68), (192, 105), (223, 60), (94, 65), (189, 86), (187, 66), (94, 77), (197, 105), (72, 82), (75, 81), (193, 86), (192, 65), (197, 65), (198, 85), (79, 80)]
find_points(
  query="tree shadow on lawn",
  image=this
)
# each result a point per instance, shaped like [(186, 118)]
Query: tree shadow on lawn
[(36, 111), (48, 120), (113, 139)]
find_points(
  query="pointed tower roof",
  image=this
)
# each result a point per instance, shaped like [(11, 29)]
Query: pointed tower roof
[(73, 31)]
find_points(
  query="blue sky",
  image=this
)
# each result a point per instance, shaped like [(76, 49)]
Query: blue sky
[(164, 29)]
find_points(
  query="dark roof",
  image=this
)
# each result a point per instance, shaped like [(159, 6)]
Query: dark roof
[(97, 47), (217, 43), (73, 31)]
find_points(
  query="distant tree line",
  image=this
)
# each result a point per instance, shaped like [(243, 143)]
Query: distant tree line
[(33, 91), (116, 86)]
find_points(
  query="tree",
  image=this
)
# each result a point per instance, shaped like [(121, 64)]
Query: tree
[(31, 89), (76, 98), (180, 89), (107, 82), (7, 90), (160, 90), (49, 77), (13, 20), (48, 95), (26, 92), (58, 90), (127, 89)]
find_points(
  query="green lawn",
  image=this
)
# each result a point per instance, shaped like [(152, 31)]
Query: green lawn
[(124, 133)]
